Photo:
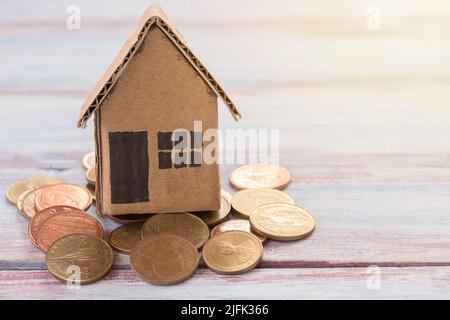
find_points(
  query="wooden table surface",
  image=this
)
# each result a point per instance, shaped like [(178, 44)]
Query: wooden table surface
[(364, 128)]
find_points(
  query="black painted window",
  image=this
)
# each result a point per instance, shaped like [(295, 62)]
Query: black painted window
[(129, 166), (186, 146)]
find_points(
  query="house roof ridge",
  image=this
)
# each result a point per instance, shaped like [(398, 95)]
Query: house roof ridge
[(153, 15)]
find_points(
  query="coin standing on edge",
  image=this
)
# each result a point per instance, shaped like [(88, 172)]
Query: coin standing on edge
[(184, 225), (282, 222), (84, 256), (66, 223), (233, 252), (260, 176), (63, 194), (89, 160), (164, 259), (125, 237), (19, 187), (213, 218), (36, 222), (91, 176), (245, 201), (236, 225)]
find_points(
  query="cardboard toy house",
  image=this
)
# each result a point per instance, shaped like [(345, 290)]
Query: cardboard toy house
[(153, 88)]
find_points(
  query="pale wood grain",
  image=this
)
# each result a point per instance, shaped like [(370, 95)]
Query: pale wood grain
[(286, 284)]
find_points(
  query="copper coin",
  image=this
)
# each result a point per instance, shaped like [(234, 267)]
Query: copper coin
[(125, 237), (236, 225), (233, 252), (19, 187), (91, 176), (213, 218), (63, 194), (254, 176), (164, 259), (36, 222), (184, 225), (79, 258), (128, 218), (66, 223)]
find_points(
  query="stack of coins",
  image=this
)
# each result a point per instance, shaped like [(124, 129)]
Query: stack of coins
[(59, 226), (90, 174), (163, 248)]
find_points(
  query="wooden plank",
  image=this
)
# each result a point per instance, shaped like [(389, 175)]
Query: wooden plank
[(286, 284)]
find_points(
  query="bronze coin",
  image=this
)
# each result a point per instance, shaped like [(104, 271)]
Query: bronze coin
[(236, 225), (213, 218), (184, 225), (128, 218), (125, 237), (36, 222), (65, 223), (79, 258), (233, 252), (260, 176), (164, 259), (63, 194), (19, 187)]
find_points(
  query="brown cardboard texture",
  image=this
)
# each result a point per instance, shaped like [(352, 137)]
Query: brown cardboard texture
[(153, 88)]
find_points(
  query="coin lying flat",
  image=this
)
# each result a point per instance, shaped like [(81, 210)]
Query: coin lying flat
[(125, 237), (91, 176), (25, 203), (65, 223), (79, 257), (36, 222), (128, 218), (260, 176), (213, 218), (236, 225), (184, 225), (245, 201), (63, 194), (233, 252), (89, 160), (164, 259), (283, 222), (19, 187)]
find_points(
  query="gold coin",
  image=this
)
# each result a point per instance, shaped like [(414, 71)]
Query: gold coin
[(233, 252), (245, 201), (184, 225), (125, 237), (213, 218), (283, 222), (91, 176), (26, 203), (164, 259), (79, 257), (89, 160), (236, 224), (260, 176), (129, 218), (19, 187)]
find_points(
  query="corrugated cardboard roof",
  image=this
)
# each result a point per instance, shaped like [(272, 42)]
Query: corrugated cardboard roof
[(153, 16)]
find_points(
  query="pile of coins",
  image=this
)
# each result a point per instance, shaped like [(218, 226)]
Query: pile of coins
[(163, 248)]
